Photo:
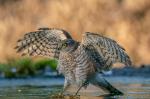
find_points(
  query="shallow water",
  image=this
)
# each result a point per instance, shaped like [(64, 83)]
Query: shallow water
[(48, 88)]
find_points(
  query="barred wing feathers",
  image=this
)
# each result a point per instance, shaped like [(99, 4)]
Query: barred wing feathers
[(43, 42), (104, 51)]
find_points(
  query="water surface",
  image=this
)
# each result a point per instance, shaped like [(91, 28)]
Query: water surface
[(49, 88)]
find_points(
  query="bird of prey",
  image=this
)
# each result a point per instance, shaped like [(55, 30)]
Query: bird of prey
[(79, 62)]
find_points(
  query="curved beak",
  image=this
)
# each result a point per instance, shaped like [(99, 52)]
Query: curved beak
[(59, 48)]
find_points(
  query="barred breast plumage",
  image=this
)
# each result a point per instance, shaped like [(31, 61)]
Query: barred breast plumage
[(66, 66), (84, 65)]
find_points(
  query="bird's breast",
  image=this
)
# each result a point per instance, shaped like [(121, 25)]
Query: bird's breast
[(66, 63), (84, 66)]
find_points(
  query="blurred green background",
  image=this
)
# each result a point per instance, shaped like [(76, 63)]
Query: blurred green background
[(26, 67)]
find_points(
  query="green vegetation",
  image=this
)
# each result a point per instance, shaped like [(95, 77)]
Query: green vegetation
[(25, 67)]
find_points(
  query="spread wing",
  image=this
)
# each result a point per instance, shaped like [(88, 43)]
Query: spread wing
[(104, 51), (43, 42)]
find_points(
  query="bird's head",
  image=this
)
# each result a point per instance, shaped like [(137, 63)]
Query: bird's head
[(68, 45)]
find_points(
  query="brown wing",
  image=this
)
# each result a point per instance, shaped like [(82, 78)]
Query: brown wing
[(104, 51), (43, 42)]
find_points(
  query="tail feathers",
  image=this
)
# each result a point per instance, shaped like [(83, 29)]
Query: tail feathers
[(99, 81)]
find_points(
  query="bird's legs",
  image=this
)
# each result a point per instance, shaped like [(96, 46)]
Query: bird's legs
[(78, 90), (66, 85), (83, 85)]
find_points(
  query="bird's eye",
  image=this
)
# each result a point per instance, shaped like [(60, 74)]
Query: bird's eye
[(64, 45)]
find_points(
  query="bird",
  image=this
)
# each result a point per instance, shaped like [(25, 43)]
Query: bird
[(79, 62)]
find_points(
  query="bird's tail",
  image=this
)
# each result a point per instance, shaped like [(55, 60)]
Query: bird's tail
[(99, 81)]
